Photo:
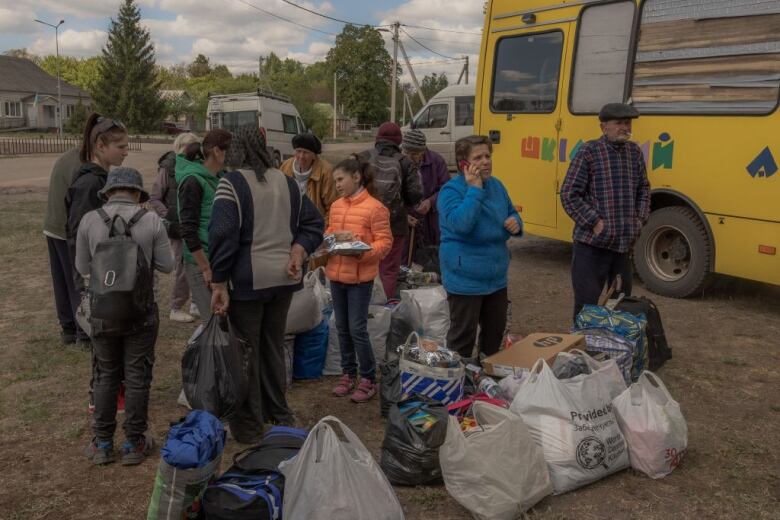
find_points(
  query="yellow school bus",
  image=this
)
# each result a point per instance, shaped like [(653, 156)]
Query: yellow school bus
[(704, 74)]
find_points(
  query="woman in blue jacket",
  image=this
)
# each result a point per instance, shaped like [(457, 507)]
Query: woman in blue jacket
[(476, 218)]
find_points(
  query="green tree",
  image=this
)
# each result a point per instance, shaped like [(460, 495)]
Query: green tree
[(173, 77), (75, 125), (83, 73), (178, 105), (433, 84), (199, 67), (128, 87), (359, 57)]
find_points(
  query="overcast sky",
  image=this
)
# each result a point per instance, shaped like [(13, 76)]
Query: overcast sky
[(234, 33)]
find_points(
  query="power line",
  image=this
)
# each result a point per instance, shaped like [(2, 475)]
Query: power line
[(438, 40), (317, 13), (440, 30), (427, 48), (269, 13)]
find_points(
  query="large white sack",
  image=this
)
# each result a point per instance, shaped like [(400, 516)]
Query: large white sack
[(574, 423), (653, 425), (496, 471), (331, 479), (432, 301)]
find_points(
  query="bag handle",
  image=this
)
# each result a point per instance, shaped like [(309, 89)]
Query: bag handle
[(408, 343), (327, 424), (656, 382), (592, 363)]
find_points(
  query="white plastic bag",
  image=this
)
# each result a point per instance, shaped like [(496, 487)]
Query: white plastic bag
[(378, 296), (653, 425), (378, 328), (435, 311), (307, 304), (332, 479), (574, 423), (608, 371), (496, 471)]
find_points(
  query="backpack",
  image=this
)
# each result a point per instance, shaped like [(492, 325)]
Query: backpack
[(388, 175), (658, 349), (253, 488), (171, 202), (120, 284)]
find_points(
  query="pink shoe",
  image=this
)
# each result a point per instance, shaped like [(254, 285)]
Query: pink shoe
[(345, 386), (365, 391)]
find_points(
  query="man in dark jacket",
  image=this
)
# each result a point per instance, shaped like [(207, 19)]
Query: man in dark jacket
[(397, 185), (607, 194), (262, 229)]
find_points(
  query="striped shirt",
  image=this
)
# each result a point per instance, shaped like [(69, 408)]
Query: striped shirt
[(608, 182)]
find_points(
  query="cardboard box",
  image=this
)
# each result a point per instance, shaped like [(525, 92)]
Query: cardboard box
[(526, 352)]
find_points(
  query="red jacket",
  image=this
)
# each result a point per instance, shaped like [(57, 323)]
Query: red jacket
[(369, 220)]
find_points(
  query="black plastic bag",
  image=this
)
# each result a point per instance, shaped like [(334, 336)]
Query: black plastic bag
[(405, 319), (416, 428), (215, 369), (389, 386)]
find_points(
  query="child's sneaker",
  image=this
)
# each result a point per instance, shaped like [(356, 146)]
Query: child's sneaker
[(120, 399), (345, 386), (365, 391), (181, 316), (135, 452), (100, 452), (194, 312)]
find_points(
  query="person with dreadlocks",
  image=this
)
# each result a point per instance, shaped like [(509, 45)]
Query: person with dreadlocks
[(262, 230)]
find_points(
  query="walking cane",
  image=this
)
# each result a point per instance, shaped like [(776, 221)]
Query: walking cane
[(411, 249)]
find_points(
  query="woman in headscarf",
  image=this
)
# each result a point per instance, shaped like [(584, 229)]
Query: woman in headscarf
[(262, 229)]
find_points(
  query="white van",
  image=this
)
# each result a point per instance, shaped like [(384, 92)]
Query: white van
[(448, 116), (274, 114)]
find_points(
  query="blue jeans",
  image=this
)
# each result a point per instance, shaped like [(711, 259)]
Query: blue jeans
[(350, 305)]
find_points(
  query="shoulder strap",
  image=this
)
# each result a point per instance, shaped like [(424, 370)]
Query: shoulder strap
[(105, 217), (138, 216)]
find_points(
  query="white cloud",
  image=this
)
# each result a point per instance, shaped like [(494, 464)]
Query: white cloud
[(10, 22), (72, 43)]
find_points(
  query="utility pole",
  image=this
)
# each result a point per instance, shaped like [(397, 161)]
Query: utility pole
[(411, 73), (396, 26), (59, 91), (335, 111), (466, 68)]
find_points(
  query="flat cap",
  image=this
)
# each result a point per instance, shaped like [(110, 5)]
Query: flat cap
[(612, 111)]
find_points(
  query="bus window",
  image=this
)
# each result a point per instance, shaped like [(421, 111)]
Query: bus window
[(526, 73), (603, 40), (464, 111), (705, 58)]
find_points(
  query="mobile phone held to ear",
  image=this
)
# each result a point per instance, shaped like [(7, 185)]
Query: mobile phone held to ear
[(463, 165)]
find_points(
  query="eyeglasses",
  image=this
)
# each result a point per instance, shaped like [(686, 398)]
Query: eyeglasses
[(104, 124)]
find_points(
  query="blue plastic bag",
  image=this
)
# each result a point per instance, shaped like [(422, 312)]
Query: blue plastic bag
[(310, 350), (194, 442)]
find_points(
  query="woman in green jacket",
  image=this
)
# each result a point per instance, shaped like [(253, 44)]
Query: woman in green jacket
[(197, 174)]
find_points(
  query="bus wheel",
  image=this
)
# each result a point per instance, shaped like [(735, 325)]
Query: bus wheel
[(277, 159), (673, 254)]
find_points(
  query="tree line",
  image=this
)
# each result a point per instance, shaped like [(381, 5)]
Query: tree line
[(125, 82)]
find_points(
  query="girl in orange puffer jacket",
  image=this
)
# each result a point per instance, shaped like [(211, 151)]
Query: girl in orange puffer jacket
[(357, 215)]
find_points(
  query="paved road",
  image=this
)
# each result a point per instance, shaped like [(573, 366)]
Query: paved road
[(34, 170)]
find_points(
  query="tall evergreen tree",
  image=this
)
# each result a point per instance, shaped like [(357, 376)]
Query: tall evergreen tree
[(128, 87)]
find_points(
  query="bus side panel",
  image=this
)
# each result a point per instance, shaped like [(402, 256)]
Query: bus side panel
[(741, 257)]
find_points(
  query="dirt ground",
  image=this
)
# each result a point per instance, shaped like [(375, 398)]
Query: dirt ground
[(724, 373)]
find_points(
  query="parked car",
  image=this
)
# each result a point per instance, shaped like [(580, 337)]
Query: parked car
[(173, 128)]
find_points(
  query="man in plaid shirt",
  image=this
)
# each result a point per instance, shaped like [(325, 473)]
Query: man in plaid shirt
[(607, 194)]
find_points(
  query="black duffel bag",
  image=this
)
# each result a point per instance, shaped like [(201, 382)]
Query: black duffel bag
[(659, 350)]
